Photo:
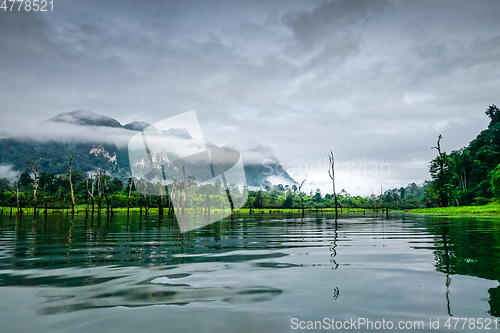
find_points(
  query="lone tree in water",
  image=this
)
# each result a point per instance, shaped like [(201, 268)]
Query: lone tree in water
[(331, 173)]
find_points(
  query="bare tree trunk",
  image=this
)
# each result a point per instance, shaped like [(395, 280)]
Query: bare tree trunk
[(183, 189), (381, 198), (160, 202), (106, 194), (91, 193), (172, 197), (170, 205), (71, 187), (179, 196), (207, 204), (140, 205), (443, 196), (331, 173), (36, 175), (17, 195), (301, 202), (129, 194), (99, 191)]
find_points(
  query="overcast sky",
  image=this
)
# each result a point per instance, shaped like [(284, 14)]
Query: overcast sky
[(374, 81)]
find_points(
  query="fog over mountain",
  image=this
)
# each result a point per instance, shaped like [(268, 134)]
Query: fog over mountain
[(94, 138), (85, 117)]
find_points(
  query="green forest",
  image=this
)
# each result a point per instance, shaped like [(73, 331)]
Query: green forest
[(470, 175), (463, 177)]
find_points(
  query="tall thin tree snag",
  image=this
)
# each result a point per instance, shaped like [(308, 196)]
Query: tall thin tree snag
[(331, 173), (71, 187), (106, 193), (99, 191), (17, 194), (129, 194), (183, 189), (36, 181), (301, 202), (160, 202), (91, 193), (443, 197)]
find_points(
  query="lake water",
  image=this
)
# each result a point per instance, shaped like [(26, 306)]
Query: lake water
[(261, 273)]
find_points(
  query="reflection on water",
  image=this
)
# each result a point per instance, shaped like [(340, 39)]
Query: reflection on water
[(278, 267), (468, 247)]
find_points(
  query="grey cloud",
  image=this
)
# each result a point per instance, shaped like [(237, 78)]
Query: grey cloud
[(6, 171), (445, 58), (330, 17), (330, 23), (367, 79)]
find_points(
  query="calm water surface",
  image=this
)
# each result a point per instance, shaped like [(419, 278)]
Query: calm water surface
[(253, 274)]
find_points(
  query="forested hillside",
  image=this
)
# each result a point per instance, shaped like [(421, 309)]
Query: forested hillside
[(470, 175)]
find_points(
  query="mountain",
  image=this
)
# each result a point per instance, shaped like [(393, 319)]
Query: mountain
[(85, 118), (261, 166), (137, 125)]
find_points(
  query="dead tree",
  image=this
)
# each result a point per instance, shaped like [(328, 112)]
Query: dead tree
[(207, 204), (183, 191), (441, 159), (91, 192), (129, 194), (160, 202), (106, 193), (171, 197), (179, 197), (71, 187), (99, 191), (36, 181), (17, 195), (301, 202), (331, 173)]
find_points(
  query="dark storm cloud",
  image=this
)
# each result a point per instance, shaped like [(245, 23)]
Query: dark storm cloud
[(374, 80), (329, 20)]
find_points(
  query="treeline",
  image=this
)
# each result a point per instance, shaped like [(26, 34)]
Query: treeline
[(279, 196), (470, 175), (101, 192)]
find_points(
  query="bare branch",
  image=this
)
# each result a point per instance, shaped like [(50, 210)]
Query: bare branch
[(438, 147), (302, 183)]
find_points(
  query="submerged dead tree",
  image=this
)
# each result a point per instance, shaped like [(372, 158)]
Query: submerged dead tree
[(105, 189), (183, 191), (301, 201), (91, 192), (129, 194), (160, 202), (36, 181), (99, 191), (17, 196), (71, 186), (207, 204), (331, 173)]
